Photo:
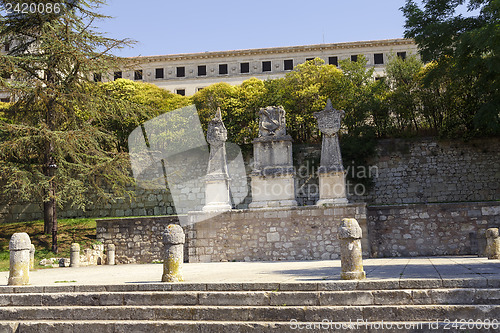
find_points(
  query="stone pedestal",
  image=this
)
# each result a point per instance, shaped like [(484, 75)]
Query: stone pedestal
[(110, 252), (273, 176), (173, 243), (492, 243), (74, 256), (19, 270), (351, 255), (332, 188)]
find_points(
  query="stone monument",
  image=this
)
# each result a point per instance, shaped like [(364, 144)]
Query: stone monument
[(74, 255), (331, 171), (19, 270), (173, 247), (273, 175), (351, 254), (492, 243), (110, 254), (217, 197)]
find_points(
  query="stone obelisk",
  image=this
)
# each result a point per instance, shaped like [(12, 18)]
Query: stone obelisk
[(332, 187), (217, 197), (273, 175)]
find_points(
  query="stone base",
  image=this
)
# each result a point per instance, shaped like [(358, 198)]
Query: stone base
[(217, 196), (272, 204), (332, 188), (353, 275), (273, 191), (331, 202), (217, 207)]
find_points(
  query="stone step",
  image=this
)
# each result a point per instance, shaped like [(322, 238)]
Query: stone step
[(251, 313), (242, 327), (337, 285), (260, 298)]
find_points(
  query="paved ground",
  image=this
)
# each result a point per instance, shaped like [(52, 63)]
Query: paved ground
[(463, 267)]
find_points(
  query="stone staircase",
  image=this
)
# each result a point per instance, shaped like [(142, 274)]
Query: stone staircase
[(371, 305)]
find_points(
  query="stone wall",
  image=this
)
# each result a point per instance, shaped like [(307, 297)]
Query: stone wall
[(137, 240), (304, 233), (426, 170), (309, 233), (404, 171), (431, 229)]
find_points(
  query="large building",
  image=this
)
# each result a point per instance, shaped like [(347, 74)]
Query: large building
[(187, 73)]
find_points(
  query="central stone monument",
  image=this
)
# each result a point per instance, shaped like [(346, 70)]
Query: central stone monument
[(217, 197), (273, 175), (331, 171)]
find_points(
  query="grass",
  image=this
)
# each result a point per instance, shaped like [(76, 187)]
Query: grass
[(80, 231)]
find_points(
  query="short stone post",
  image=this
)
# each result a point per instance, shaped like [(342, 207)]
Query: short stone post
[(110, 251), (492, 243), (32, 257), (74, 258), (19, 271), (351, 255), (173, 243)]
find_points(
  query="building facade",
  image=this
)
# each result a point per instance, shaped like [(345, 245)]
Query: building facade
[(185, 74)]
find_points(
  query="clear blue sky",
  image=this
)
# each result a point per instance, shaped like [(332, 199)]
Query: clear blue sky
[(184, 26)]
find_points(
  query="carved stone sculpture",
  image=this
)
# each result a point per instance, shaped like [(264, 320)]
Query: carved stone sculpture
[(272, 121), (331, 170), (217, 197), (273, 175)]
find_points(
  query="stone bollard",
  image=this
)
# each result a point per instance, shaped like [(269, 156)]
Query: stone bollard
[(173, 243), (110, 254), (74, 257), (351, 256), (32, 257), (492, 243), (19, 272)]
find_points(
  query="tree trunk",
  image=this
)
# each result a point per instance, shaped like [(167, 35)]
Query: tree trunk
[(50, 213)]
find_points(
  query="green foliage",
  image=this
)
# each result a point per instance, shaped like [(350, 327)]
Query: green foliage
[(138, 95), (466, 51)]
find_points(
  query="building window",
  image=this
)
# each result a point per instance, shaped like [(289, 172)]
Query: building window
[(402, 55), (117, 75), (202, 70), (378, 58), (288, 64), (245, 67), (199, 89), (181, 92), (5, 100), (97, 77), (6, 47), (309, 59), (138, 74), (159, 73), (223, 69), (181, 71), (354, 58), (266, 66), (333, 61)]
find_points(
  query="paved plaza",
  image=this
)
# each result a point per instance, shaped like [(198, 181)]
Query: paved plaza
[(456, 267)]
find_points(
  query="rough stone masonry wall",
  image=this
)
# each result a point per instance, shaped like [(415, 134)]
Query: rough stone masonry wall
[(137, 240), (431, 229), (303, 233), (419, 171), (426, 170)]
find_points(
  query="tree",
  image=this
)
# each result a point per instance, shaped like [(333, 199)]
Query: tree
[(55, 147), (466, 51)]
